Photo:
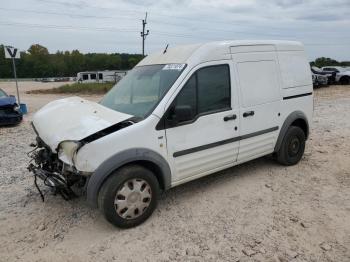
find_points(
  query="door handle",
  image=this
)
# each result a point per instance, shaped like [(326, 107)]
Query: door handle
[(230, 117), (248, 113)]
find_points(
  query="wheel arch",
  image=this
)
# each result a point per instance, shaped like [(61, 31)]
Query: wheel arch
[(296, 118), (141, 156)]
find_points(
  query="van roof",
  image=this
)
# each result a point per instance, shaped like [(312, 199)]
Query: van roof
[(213, 51)]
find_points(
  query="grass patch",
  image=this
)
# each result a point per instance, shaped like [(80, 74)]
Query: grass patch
[(76, 88)]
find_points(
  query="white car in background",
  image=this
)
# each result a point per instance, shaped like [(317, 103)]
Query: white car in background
[(342, 76), (321, 78)]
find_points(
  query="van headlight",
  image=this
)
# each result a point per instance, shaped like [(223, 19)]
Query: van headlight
[(67, 151)]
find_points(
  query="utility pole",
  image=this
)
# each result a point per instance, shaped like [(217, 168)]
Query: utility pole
[(143, 34), (15, 74)]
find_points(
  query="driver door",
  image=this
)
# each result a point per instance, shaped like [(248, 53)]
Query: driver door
[(202, 124)]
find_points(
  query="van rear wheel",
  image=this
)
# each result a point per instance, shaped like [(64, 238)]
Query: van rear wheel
[(293, 146), (129, 196)]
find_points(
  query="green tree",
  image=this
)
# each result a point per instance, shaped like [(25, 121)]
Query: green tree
[(325, 61), (5, 65), (37, 62)]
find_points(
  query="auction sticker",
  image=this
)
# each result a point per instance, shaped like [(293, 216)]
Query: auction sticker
[(178, 67)]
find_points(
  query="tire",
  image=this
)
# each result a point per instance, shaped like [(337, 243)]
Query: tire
[(127, 191), (345, 80), (293, 146)]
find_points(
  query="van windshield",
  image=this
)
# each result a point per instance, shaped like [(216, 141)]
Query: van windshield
[(141, 89)]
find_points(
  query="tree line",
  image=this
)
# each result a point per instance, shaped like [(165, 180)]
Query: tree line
[(37, 62), (325, 61)]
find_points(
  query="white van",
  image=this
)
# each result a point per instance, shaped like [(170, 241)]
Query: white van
[(100, 76), (180, 114)]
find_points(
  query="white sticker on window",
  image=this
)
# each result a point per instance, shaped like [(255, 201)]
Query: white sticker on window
[(178, 67)]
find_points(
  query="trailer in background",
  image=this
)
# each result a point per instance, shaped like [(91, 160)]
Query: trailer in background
[(100, 76)]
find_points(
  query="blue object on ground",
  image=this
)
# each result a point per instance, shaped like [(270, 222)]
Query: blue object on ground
[(23, 108)]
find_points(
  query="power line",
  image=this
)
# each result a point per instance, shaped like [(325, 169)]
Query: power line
[(62, 13), (196, 20), (208, 29), (72, 15), (66, 27), (127, 30), (108, 29), (335, 44)]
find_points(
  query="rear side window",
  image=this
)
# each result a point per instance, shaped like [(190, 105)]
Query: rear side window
[(207, 91), (331, 69), (85, 77)]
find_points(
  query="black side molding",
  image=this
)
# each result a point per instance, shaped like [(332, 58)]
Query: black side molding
[(204, 147), (296, 96), (223, 142)]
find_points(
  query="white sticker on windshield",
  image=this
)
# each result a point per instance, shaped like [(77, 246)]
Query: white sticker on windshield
[(178, 67)]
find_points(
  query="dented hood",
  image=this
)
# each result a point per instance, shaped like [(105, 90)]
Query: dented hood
[(73, 118)]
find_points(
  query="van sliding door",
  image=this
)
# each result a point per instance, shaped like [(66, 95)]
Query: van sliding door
[(260, 100)]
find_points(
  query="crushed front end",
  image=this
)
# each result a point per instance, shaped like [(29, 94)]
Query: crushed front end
[(62, 178)]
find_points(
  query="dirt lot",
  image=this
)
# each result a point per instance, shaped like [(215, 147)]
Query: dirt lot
[(259, 211)]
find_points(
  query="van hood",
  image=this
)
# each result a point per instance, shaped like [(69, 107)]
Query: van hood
[(73, 118)]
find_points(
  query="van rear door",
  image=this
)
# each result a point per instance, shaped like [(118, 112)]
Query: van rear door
[(258, 79)]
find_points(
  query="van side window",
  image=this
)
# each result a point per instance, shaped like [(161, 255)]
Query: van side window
[(187, 96), (85, 76), (207, 91), (214, 88), (100, 76)]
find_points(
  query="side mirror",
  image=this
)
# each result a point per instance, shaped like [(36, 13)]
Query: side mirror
[(183, 113)]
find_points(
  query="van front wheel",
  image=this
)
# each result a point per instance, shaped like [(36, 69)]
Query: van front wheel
[(129, 196), (293, 146)]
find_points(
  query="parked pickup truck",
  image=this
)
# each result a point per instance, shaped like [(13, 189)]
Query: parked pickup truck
[(180, 114), (342, 74)]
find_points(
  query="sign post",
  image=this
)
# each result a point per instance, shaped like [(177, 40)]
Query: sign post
[(12, 53)]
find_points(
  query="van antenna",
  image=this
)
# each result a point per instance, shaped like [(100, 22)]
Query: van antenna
[(166, 48)]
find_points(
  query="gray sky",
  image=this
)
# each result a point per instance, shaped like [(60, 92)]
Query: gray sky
[(114, 25)]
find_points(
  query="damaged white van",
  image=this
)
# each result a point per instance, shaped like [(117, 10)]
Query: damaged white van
[(180, 114)]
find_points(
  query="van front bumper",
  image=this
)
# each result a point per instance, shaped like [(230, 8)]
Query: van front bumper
[(55, 174), (57, 183)]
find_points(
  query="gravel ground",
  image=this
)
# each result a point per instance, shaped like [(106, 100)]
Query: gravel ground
[(258, 211)]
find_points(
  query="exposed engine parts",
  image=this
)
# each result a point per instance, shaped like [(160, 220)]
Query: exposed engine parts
[(46, 166)]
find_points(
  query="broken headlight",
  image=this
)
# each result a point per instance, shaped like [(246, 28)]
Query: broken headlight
[(67, 151)]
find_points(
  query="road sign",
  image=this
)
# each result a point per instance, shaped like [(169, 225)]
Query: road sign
[(11, 52)]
